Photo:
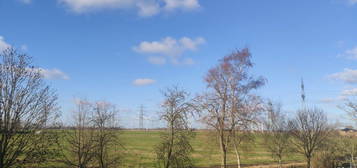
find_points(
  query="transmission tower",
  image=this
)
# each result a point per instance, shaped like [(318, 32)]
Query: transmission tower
[(303, 91), (141, 117)]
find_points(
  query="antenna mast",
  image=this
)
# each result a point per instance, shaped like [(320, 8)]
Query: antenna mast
[(303, 97)]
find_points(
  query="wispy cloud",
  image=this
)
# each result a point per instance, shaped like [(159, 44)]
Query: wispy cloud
[(352, 2), (184, 4), (344, 95), (143, 7), (350, 53), (26, 1), (348, 76), (143, 81), (3, 44), (169, 49), (349, 92), (53, 74)]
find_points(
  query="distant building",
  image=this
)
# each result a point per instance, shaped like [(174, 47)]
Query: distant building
[(349, 129)]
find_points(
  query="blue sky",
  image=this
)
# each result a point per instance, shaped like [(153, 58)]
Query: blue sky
[(126, 51)]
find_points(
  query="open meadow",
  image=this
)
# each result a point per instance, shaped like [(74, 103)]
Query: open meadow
[(140, 148)]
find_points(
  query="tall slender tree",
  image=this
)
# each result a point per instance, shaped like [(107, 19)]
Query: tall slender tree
[(174, 149), (106, 135), (227, 105), (79, 147), (276, 135)]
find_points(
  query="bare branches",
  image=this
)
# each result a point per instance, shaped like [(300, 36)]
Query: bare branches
[(94, 141), (276, 134), (26, 104), (106, 138), (79, 149), (174, 149), (309, 130)]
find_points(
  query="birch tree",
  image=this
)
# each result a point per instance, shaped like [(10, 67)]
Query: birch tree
[(224, 107)]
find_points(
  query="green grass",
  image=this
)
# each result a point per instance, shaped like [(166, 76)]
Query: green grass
[(140, 150)]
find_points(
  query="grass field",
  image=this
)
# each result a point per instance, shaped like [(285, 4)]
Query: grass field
[(140, 144)]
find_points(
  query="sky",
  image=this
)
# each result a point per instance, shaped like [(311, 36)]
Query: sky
[(127, 51)]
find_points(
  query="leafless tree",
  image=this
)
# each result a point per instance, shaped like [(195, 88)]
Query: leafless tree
[(26, 103), (351, 108), (276, 135), (349, 141), (79, 147), (174, 149), (309, 129), (106, 134), (226, 106)]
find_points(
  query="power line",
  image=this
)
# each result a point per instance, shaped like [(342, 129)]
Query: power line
[(141, 117)]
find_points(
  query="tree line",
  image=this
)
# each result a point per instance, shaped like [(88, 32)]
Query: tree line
[(230, 107)]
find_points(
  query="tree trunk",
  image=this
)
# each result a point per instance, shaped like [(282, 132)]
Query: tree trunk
[(224, 153), (224, 159), (280, 166), (309, 162), (167, 165), (237, 154)]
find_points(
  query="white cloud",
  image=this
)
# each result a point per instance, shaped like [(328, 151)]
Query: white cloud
[(143, 7), (53, 74), (327, 100), (26, 1), (169, 49), (183, 4), (351, 53), (349, 92), (189, 61), (24, 47), (143, 82), (157, 60), (3, 44), (82, 6), (352, 2), (348, 76), (148, 8)]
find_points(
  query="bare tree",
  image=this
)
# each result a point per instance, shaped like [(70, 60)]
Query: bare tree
[(79, 146), (174, 149), (106, 134), (276, 135), (26, 103), (225, 106), (309, 129), (246, 116), (349, 141)]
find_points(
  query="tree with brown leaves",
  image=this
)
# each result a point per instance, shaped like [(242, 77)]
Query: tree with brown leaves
[(229, 106)]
